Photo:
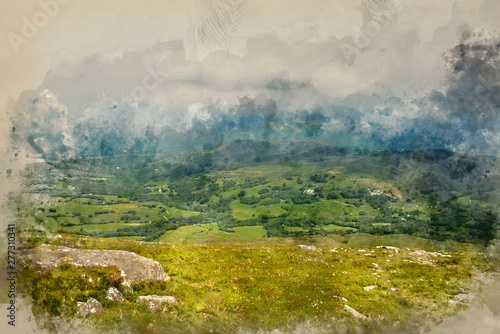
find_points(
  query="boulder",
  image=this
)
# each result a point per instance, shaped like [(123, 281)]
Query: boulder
[(307, 248), (423, 257), (461, 298), (154, 302), (133, 267), (92, 306), (355, 313), (341, 298), (114, 294)]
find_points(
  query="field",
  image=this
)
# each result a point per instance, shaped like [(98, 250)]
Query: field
[(268, 244), (276, 285), (210, 232), (284, 199)]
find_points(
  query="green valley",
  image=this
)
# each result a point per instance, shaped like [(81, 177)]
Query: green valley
[(302, 232), (148, 196)]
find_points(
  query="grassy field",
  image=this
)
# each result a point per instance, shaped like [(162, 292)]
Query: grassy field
[(253, 245), (211, 232), (276, 285), (282, 198), (102, 227)]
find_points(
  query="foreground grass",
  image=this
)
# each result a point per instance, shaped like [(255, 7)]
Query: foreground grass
[(274, 285)]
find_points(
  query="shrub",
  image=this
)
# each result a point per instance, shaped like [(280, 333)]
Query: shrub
[(249, 200)]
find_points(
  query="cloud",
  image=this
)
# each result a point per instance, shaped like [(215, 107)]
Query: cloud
[(396, 85), (41, 122)]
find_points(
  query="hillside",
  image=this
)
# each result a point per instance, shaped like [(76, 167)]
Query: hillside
[(271, 189), (285, 284), (259, 236)]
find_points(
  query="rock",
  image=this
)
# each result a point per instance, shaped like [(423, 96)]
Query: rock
[(424, 257), (92, 306), (134, 268), (389, 247), (355, 313), (370, 287), (307, 248), (114, 294), (309, 192), (154, 302), (460, 298), (341, 298)]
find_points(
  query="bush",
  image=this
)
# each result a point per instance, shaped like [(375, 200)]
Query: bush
[(130, 217), (269, 201), (105, 211), (333, 195), (57, 291), (263, 191), (228, 184), (319, 178), (249, 200)]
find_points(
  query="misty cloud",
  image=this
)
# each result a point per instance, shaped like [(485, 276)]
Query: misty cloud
[(281, 87)]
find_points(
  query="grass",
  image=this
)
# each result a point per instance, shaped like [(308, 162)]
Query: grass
[(401, 241), (102, 227), (332, 227), (276, 285), (237, 277), (211, 232), (90, 221), (340, 197), (243, 211), (250, 232)]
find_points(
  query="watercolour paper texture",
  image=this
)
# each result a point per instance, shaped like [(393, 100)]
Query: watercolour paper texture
[(249, 166)]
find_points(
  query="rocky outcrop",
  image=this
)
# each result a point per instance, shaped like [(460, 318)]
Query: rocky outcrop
[(154, 302), (307, 248), (92, 306), (423, 257), (134, 268), (355, 313), (114, 294), (461, 298)]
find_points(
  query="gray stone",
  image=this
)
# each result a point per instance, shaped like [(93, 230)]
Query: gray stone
[(460, 298), (114, 294), (307, 248), (92, 306), (355, 313), (133, 267), (154, 302)]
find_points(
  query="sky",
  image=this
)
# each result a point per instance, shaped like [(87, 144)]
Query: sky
[(85, 50), (423, 31)]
